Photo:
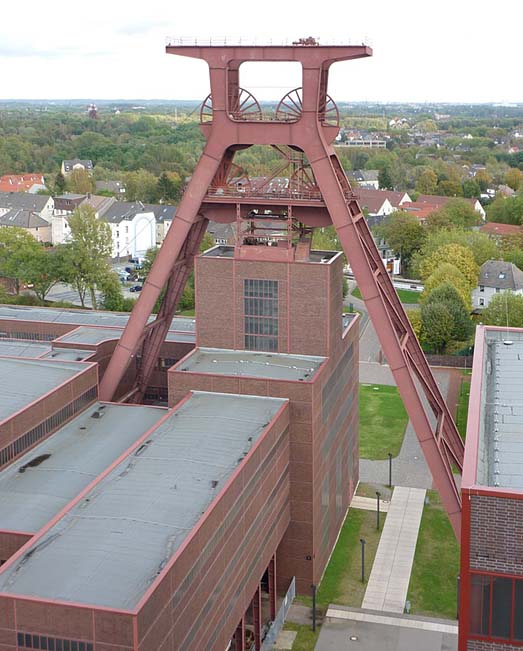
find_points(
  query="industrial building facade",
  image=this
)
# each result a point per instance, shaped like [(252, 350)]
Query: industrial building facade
[(149, 527), (491, 595)]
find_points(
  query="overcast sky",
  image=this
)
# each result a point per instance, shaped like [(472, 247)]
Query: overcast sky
[(450, 50)]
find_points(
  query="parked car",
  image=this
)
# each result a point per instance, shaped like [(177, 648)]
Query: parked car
[(135, 288)]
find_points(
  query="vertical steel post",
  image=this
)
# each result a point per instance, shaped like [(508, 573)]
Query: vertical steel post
[(362, 541)]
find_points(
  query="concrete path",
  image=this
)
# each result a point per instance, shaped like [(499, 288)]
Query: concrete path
[(390, 576), (366, 630), (369, 504)]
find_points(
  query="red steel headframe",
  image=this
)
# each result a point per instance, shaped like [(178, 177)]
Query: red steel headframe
[(235, 122)]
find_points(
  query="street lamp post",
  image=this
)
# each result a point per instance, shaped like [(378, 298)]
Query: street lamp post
[(362, 541)]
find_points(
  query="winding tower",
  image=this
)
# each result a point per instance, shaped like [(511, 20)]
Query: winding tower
[(315, 193)]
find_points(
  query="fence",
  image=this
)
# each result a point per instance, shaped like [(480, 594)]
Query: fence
[(277, 624)]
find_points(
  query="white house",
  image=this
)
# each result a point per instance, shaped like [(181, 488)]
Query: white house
[(133, 228), (496, 276)]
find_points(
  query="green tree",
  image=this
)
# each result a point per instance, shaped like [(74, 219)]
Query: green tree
[(404, 234), (506, 210), (80, 182), (514, 178), (448, 273), (437, 324), (447, 294), (504, 309), (86, 262), (59, 183), (427, 181), (455, 254), (44, 269), (17, 249)]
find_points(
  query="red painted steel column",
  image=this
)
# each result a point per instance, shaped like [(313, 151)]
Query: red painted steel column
[(272, 587), (186, 216), (239, 636), (256, 618)]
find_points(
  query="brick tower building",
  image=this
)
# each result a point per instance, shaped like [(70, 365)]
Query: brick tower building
[(269, 323)]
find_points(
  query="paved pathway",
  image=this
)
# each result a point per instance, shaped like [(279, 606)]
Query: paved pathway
[(369, 504), (390, 576)]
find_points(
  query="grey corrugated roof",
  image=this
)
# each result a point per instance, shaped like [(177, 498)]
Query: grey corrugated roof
[(79, 452), (501, 275), (277, 366), (22, 218), (109, 548), (82, 317), (501, 438), (26, 380)]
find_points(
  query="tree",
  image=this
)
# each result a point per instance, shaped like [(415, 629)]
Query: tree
[(454, 254), (448, 273), (86, 262), (504, 309), (482, 246), (514, 178), (17, 249), (404, 234), (59, 183), (43, 270), (427, 181), (436, 324), (385, 179), (506, 210), (447, 294), (80, 182)]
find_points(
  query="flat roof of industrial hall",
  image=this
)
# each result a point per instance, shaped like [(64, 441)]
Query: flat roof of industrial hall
[(110, 546), (23, 348), (249, 363), (25, 380), (82, 317), (30, 496), (93, 335), (497, 398)]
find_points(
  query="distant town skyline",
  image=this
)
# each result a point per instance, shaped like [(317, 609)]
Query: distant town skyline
[(449, 52)]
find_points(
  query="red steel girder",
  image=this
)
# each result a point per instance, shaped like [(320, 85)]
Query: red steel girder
[(428, 412)]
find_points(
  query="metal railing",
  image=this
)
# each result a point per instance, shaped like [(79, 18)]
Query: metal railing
[(277, 624)]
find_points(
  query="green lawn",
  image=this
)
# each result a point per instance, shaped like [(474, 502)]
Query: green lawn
[(433, 589), (306, 639), (383, 420), (463, 406), (405, 295), (341, 582)]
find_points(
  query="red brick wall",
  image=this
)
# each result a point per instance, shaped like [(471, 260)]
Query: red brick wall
[(10, 543), (206, 591), (309, 303), (496, 534)]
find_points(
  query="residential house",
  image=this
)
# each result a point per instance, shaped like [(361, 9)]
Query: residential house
[(496, 276), (368, 179), (440, 202), (29, 220), (42, 205), (68, 166), (22, 183), (116, 187), (133, 228)]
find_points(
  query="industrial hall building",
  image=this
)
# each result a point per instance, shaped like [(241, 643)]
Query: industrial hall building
[(180, 522)]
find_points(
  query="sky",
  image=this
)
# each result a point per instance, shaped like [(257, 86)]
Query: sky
[(464, 51)]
